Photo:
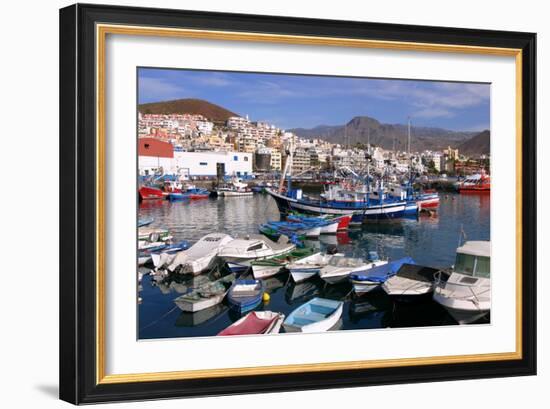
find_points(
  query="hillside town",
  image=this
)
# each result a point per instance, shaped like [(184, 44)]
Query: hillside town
[(195, 147)]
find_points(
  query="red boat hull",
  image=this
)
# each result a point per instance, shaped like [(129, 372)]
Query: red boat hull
[(150, 193), (428, 204), (343, 222), (198, 196), (474, 189)]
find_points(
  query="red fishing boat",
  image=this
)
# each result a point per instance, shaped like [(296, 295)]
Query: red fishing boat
[(479, 183), (150, 193), (428, 199)]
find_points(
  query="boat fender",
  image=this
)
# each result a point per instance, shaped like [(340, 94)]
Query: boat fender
[(153, 237), (266, 297)]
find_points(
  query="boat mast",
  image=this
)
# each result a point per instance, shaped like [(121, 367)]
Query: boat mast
[(409, 188), (409, 137)]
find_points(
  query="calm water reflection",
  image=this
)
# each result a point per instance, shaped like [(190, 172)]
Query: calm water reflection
[(428, 240)]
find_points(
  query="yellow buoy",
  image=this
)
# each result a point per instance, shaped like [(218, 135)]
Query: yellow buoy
[(266, 297)]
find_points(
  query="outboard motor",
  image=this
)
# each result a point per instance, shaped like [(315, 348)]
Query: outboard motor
[(332, 249)]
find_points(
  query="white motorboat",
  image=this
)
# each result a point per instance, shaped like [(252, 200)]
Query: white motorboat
[(309, 267), (411, 282), (235, 188), (241, 251), (465, 291), (200, 255), (340, 267)]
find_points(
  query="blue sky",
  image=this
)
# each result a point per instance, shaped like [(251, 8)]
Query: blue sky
[(292, 101)]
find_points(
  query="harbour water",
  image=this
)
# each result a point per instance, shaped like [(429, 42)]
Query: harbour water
[(429, 239)]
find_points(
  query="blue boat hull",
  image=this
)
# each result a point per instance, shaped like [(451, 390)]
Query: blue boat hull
[(359, 212), (242, 306)]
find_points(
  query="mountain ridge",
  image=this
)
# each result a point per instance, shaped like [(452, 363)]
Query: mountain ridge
[(362, 129)]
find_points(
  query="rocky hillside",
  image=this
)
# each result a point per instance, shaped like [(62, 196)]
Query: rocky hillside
[(480, 144), (211, 111)]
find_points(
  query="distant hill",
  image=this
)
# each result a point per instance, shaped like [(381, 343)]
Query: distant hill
[(211, 111), (363, 128), (478, 145)]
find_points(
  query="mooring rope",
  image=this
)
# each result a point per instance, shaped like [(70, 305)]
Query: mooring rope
[(158, 319)]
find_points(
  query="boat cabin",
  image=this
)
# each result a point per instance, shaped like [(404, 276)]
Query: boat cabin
[(473, 259)]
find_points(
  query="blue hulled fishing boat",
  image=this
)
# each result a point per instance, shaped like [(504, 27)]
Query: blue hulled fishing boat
[(361, 204), (245, 295)]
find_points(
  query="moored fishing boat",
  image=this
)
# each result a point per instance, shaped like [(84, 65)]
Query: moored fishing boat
[(357, 205), (328, 226), (340, 267), (275, 233), (145, 221), (308, 267), (170, 250), (317, 315), (178, 196), (241, 251), (426, 199), (301, 229), (194, 319), (272, 266), (479, 183), (245, 295), (412, 282), (199, 256), (368, 280), (255, 323), (153, 234), (235, 188), (150, 193), (196, 193), (465, 290), (205, 296)]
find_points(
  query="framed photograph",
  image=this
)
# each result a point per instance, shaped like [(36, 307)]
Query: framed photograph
[(256, 204)]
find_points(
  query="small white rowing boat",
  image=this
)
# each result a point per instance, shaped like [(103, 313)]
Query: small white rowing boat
[(317, 315)]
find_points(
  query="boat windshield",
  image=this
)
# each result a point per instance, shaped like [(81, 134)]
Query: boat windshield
[(475, 266)]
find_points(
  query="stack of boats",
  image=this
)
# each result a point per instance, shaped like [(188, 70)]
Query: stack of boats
[(299, 226), (154, 242), (172, 190), (464, 289)]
